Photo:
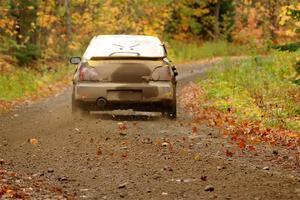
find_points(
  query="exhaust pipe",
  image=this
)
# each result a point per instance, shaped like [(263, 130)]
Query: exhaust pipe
[(101, 102)]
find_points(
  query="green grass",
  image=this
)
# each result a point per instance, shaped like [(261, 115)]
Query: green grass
[(25, 81), (183, 51), (258, 89)]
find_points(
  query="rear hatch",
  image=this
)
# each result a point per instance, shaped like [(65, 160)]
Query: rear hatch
[(125, 71)]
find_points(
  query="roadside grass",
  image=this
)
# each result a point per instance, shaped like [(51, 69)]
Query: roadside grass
[(23, 81), (193, 51), (256, 89)]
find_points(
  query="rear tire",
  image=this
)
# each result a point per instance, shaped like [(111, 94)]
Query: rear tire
[(172, 113), (172, 110)]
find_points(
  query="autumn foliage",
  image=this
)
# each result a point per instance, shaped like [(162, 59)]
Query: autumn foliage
[(34, 30)]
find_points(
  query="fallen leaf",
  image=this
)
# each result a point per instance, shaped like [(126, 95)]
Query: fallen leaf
[(33, 141), (242, 144), (125, 155), (194, 129), (8, 191), (13, 174), (197, 157), (229, 153), (99, 151), (234, 137), (251, 148), (122, 126), (158, 142), (203, 178), (56, 189)]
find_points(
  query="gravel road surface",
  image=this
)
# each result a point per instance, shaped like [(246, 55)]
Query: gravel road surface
[(127, 155)]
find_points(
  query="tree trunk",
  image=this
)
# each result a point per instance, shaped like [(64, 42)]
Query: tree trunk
[(217, 19), (68, 20), (274, 8), (25, 15)]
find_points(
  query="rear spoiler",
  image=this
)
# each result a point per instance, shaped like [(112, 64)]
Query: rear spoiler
[(126, 58)]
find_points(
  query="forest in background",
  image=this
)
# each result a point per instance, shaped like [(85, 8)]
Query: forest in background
[(48, 30)]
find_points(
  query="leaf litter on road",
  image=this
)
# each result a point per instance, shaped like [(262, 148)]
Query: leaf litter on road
[(246, 134), (33, 141), (23, 186)]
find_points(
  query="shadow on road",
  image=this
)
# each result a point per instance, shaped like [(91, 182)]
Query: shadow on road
[(132, 116)]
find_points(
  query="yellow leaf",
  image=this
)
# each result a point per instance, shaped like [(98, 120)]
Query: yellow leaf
[(30, 7)]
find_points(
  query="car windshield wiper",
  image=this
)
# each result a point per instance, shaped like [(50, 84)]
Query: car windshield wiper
[(119, 45), (131, 47)]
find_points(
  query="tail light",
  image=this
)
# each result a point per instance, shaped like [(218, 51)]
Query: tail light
[(161, 74), (88, 74), (81, 74)]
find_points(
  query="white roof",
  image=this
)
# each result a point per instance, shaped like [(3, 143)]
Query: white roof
[(124, 45)]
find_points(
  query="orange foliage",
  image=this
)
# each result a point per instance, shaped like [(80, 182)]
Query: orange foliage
[(249, 31)]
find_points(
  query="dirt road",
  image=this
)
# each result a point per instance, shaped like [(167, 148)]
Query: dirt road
[(134, 156)]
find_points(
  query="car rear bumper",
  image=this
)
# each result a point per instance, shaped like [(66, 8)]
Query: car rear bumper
[(158, 91)]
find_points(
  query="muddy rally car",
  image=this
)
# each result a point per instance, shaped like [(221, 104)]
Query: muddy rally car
[(121, 72)]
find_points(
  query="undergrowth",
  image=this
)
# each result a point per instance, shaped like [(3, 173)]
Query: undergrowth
[(257, 89), (192, 51), (22, 82)]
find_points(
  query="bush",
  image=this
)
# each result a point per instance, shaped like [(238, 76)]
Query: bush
[(27, 53)]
